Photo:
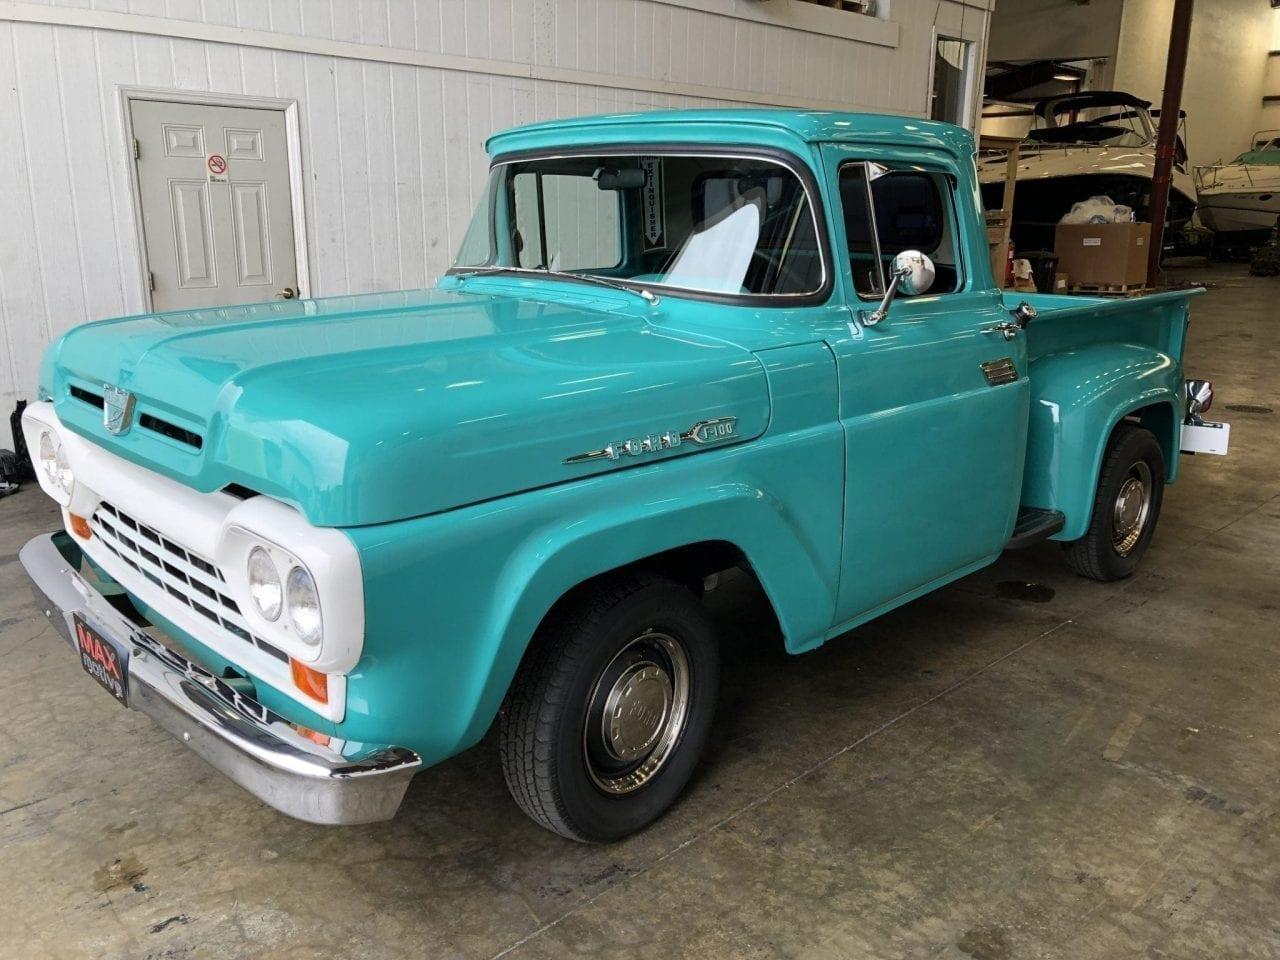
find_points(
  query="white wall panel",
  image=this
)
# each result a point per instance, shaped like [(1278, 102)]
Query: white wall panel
[(391, 146)]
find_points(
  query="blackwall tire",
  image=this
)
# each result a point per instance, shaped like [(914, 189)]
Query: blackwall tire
[(610, 709), (1125, 509)]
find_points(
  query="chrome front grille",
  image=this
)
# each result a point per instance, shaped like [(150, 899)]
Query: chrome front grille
[(187, 577)]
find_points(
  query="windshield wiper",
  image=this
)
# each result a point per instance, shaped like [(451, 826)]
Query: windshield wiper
[(646, 295)]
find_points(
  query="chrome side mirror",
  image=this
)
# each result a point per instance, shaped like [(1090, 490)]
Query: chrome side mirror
[(919, 272), (1199, 400), (912, 273)]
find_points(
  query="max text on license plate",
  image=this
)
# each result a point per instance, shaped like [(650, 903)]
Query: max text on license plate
[(104, 660)]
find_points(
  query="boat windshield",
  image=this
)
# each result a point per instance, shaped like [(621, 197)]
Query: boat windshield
[(1101, 126), (719, 225), (1263, 152)]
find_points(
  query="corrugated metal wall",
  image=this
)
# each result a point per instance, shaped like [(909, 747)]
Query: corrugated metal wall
[(395, 100)]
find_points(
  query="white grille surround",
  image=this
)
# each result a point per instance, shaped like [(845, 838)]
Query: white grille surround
[(185, 575), (175, 582), (159, 577), (209, 537)]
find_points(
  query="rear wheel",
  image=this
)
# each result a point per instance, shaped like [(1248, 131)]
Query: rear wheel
[(610, 709), (1125, 507)]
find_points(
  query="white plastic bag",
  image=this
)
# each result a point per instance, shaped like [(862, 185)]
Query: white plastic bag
[(1099, 209)]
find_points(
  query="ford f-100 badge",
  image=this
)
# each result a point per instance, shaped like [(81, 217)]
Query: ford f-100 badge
[(704, 431)]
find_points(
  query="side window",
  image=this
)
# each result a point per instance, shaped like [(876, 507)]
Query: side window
[(913, 210), (569, 215), (909, 212)]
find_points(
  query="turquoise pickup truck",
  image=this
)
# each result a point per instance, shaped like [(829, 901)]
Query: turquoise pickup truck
[(330, 543)]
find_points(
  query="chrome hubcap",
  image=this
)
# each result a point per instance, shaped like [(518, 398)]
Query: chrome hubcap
[(636, 713), (636, 710), (1132, 508)]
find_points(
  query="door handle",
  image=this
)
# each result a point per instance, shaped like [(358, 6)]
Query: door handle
[(288, 293), (1005, 327)]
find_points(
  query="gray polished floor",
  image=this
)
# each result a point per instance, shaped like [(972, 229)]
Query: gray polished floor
[(996, 771)]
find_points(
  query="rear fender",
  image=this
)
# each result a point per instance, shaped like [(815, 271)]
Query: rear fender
[(1077, 398)]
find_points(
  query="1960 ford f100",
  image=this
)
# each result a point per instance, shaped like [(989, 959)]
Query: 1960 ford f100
[(326, 543)]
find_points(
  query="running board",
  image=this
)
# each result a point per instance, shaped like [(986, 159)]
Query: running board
[(1033, 526)]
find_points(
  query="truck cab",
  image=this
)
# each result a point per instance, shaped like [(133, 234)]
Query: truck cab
[(369, 527)]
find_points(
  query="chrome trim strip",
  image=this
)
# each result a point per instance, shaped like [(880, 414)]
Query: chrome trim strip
[(258, 749)]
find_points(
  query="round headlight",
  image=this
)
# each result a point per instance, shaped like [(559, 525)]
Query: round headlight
[(66, 479), (48, 456), (304, 606), (264, 584), (53, 461)]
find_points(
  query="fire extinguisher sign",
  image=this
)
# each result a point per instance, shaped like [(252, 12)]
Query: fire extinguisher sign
[(652, 204)]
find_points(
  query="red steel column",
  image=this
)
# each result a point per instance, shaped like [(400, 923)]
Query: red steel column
[(1174, 72)]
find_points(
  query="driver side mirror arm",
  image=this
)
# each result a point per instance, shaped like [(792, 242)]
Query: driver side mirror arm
[(882, 311), (912, 273)]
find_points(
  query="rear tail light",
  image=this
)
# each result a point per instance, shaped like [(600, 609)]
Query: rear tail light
[(1199, 399)]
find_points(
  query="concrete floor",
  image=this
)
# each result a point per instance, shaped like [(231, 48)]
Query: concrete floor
[(1082, 770)]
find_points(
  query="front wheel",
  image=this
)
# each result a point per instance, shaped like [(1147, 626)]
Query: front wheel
[(1125, 508), (609, 711)]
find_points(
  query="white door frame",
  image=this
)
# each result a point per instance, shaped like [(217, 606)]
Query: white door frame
[(293, 143)]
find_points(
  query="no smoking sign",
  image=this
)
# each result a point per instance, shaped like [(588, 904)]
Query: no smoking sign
[(216, 165)]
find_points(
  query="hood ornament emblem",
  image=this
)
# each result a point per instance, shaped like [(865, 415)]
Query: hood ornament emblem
[(702, 432), (117, 408)]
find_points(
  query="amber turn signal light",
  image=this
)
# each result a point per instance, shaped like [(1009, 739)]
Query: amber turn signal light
[(80, 527), (311, 682)]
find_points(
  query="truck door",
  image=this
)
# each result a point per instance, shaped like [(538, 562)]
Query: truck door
[(933, 401)]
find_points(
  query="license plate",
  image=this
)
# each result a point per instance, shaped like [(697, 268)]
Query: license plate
[(103, 659), (1207, 437)]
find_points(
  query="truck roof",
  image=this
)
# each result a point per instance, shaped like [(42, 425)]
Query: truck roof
[(768, 126)]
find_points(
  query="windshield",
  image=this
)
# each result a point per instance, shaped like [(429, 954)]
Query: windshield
[(709, 224)]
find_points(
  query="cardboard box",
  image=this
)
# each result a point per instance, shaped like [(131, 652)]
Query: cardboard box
[(1061, 282), (1113, 254)]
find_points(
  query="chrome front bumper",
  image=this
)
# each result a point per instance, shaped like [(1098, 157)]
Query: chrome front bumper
[(256, 748)]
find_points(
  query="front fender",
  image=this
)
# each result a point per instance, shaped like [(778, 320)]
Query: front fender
[(1077, 398), (452, 600)]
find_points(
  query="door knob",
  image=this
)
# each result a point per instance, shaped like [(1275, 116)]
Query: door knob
[(287, 293)]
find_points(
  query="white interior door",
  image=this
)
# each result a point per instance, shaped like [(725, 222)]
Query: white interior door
[(216, 213)]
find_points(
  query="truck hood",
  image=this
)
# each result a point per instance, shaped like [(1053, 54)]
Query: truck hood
[(374, 408)]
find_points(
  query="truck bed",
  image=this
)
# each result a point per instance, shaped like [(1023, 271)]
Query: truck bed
[(1067, 323)]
